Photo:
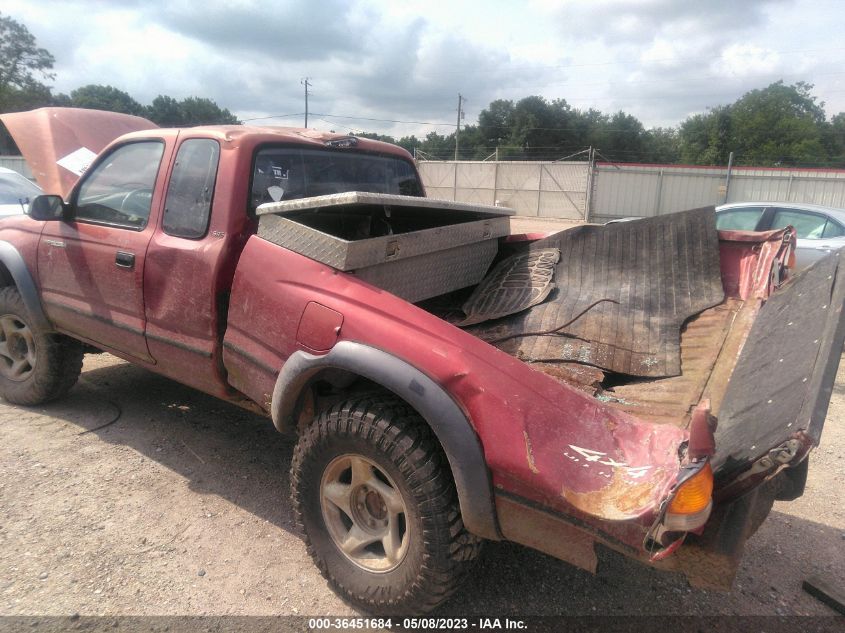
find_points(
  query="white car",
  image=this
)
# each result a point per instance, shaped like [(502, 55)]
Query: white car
[(820, 229), (15, 192)]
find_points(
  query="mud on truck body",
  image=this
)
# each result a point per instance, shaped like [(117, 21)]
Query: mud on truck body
[(652, 386)]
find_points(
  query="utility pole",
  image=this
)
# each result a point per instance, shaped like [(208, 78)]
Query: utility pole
[(458, 128), (305, 82)]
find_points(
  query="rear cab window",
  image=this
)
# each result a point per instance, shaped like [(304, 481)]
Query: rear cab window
[(187, 207), (288, 173)]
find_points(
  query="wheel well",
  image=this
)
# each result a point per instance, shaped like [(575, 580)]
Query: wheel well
[(329, 386), (307, 381), (5, 276)]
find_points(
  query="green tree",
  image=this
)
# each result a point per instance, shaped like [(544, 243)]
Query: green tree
[(662, 145), (776, 125), (22, 63), (377, 137), (166, 112), (539, 127), (99, 97), (622, 137), (833, 137), (410, 143), (21, 60), (495, 123), (202, 111)]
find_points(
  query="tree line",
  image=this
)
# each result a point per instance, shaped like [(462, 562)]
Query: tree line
[(779, 125)]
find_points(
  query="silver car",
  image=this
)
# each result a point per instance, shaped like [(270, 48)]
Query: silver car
[(15, 192), (820, 229)]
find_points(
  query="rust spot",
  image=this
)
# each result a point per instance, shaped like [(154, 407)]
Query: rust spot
[(529, 453), (583, 377), (619, 499)]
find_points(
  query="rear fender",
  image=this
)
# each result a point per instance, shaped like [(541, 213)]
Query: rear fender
[(449, 423)]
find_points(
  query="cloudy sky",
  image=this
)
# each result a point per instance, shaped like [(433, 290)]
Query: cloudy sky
[(397, 66)]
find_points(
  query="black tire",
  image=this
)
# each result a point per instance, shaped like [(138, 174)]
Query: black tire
[(407, 459), (35, 366)]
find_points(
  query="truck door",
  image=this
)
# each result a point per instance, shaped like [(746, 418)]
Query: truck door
[(91, 267), (188, 272)]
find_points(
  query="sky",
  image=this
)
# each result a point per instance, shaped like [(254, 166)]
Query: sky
[(397, 67)]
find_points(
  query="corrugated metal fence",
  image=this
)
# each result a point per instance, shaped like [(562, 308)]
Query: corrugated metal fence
[(16, 163), (542, 189), (572, 190), (644, 190)]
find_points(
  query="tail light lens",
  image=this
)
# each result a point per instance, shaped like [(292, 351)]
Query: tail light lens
[(691, 504)]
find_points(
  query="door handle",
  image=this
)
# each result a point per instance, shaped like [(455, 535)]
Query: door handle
[(124, 260)]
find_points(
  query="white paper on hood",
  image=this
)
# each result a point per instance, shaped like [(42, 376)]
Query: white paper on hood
[(77, 162)]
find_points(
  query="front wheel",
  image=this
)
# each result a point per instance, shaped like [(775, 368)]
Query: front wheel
[(373, 494), (35, 366)]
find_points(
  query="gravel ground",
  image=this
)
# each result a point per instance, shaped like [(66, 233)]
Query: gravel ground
[(180, 506)]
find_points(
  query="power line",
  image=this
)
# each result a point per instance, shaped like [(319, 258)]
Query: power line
[(364, 118), (274, 116)]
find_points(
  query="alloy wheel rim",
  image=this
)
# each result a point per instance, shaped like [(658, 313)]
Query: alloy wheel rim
[(364, 513), (17, 348)]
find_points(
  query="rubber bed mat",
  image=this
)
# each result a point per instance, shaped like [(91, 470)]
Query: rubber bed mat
[(623, 292), (514, 285)]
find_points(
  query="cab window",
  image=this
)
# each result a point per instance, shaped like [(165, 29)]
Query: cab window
[(187, 206), (119, 190), (287, 173)]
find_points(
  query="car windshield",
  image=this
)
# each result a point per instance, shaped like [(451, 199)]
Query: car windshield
[(14, 189), (289, 173)]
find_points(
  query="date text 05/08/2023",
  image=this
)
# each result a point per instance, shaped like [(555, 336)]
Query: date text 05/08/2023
[(445, 624)]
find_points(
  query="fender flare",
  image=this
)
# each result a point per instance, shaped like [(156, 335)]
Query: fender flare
[(15, 264), (454, 432)]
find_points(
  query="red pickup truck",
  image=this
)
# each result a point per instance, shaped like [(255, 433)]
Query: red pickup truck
[(652, 386)]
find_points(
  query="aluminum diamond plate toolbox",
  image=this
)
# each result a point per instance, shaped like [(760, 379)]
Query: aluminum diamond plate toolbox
[(416, 248), (365, 197)]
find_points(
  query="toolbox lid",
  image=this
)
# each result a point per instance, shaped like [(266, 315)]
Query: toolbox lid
[(392, 200)]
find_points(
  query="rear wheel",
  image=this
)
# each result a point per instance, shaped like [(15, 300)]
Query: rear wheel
[(35, 366), (374, 496)]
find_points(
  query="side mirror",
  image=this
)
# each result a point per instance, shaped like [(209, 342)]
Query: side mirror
[(46, 208)]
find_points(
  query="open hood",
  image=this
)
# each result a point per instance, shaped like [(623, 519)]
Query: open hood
[(60, 143)]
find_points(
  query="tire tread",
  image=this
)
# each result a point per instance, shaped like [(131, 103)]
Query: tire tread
[(390, 424)]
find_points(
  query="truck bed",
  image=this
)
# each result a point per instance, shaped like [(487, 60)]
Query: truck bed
[(704, 359), (415, 248)]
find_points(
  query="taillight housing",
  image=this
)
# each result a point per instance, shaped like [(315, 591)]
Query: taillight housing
[(690, 505)]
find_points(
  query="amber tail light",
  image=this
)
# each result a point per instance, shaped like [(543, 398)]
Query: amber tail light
[(690, 506)]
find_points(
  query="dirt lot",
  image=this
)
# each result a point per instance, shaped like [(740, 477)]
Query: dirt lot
[(181, 507)]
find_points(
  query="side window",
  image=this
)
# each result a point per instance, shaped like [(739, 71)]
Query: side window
[(833, 229), (187, 206), (119, 191), (744, 219), (807, 225)]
